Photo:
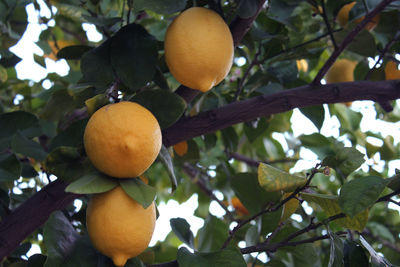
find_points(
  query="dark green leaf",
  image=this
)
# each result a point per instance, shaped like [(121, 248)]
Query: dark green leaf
[(212, 235), (135, 262), (22, 145), (354, 255), (73, 51), (345, 161), (255, 129), (316, 114), (230, 138), (60, 102), (250, 193), (99, 21), (318, 144), (270, 221), (228, 257), (166, 106), (92, 183), (165, 157), (336, 253), (361, 193), (65, 163), (59, 236), (134, 56), (182, 230), (9, 60), (96, 66), (363, 43), (72, 136), (381, 231), (139, 191), (12, 122), (160, 80), (247, 8), (160, 6), (83, 254), (28, 171), (10, 167), (37, 260)]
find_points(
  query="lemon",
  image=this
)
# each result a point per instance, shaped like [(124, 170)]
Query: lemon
[(199, 48), (341, 71), (343, 17), (239, 207), (122, 139), (181, 148), (118, 226), (391, 71)]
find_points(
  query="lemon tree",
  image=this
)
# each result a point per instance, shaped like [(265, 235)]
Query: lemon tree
[(279, 119)]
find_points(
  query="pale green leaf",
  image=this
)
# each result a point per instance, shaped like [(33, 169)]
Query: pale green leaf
[(92, 183), (139, 191)]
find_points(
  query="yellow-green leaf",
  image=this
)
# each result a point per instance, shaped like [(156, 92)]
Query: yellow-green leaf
[(273, 179), (330, 205)]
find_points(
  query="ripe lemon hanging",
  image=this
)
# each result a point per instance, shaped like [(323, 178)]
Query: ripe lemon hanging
[(118, 226), (391, 71), (341, 71), (199, 48), (122, 139), (343, 17)]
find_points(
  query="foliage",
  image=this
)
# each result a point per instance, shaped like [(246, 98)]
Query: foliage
[(346, 179)]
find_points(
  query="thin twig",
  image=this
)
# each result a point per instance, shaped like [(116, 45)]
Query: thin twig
[(253, 63), (328, 25), (195, 175), (270, 207), (255, 163), (348, 39), (381, 240)]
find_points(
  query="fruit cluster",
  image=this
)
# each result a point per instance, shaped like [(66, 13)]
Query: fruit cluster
[(123, 139)]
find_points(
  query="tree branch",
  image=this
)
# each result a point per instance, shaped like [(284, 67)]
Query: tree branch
[(255, 163), (250, 109), (31, 214)]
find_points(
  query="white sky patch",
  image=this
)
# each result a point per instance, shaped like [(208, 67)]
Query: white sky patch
[(91, 32)]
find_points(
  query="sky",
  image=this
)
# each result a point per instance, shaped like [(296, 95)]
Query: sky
[(28, 69)]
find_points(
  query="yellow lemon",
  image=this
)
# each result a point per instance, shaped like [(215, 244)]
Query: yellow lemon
[(199, 48), (302, 65), (118, 226), (181, 148), (239, 207), (122, 139), (343, 17), (341, 71), (391, 71)]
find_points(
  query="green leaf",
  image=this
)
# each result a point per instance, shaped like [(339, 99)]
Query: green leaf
[(228, 257), (212, 235), (363, 43), (316, 114), (72, 136), (134, 56), (22, 121), (166, 106), (160, 6), (250, 193), (382, 231), (65, 163), (3, 74), (182, 230), (360, 194), (270, 221), (36, 260), (96, 66), (10, 167), (60, 102), (330, 206), (336, 252), (135, 262), (73, 51), (230, 138), (59, 237), (165, 157), (317, 143), (252, 236), (139, 191), (273, 179), (101, 21), (22, 145), (354, 255), (255, 129), (247, 8), (345, 161), (83, 254), (92, 183)]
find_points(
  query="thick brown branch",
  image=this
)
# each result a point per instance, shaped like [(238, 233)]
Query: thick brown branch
[(250, 109), (31, 214)]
